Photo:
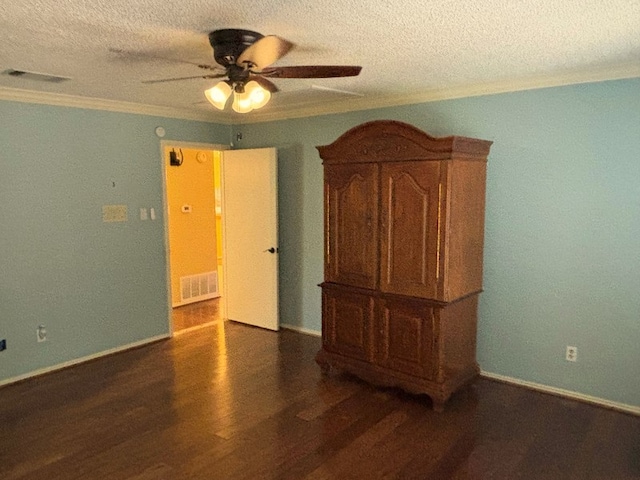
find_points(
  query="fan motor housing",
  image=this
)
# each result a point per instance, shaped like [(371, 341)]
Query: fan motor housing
[(229, 43)]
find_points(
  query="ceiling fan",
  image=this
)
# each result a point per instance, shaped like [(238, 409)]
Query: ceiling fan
[(245, 58)]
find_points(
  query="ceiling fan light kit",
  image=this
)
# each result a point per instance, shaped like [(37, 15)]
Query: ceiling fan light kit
[(245, 97), (245, 56)]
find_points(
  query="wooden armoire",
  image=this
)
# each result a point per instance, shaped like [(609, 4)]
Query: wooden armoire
[(404, 231)]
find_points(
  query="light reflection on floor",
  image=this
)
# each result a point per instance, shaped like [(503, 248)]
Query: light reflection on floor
[(207, 325), (195, 315)]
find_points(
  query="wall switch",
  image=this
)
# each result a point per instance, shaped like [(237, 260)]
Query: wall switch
[(3, 344), (152, 212), (41, 333), (571, 354), (143, 214)]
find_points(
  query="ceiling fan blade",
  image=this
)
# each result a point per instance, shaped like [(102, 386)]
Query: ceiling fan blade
[(264, 83), (133, 55), (264, 52), (312, 71), (162, 80)]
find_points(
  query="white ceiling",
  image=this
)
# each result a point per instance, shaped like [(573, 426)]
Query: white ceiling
[(410, 50)]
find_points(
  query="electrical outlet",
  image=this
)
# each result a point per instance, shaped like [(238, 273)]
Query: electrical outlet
[(571, 354), (3, 344), (41, 333)]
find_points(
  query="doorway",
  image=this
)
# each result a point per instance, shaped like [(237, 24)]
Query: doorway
[(221, 217), (193, 216)]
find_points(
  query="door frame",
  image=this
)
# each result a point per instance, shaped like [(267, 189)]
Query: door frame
[(165, 210)]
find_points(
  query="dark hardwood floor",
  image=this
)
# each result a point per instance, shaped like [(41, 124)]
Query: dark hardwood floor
[(234, 402), (193, 315)]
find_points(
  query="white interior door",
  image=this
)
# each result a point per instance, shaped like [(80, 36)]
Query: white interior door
[(250, 232)]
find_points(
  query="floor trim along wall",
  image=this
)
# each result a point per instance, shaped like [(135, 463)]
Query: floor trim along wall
[(177, 333), (633, 410), (77, 361), (306, 331), (601, 402)]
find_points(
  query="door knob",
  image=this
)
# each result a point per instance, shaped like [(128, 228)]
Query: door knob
[(271, 250)]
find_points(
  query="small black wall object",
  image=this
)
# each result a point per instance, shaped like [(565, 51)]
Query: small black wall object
[(174, 159)]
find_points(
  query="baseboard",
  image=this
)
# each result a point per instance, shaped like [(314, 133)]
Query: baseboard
[(177, 333), (70, 363), (601, 402), (202, 298), (634, 410), (306, 331)]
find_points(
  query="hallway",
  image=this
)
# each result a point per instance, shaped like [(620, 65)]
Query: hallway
[(195, 315)]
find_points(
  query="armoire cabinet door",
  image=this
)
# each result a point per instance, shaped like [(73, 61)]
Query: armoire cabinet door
[(410, 211), (405, 338), (351, 224), (347, 323)]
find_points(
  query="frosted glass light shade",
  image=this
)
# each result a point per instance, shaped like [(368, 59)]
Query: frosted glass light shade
[(218, 95), (258, 95), (242, 102)]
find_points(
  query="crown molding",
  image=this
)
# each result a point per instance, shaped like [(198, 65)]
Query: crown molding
[(73, 101), (620, 72)]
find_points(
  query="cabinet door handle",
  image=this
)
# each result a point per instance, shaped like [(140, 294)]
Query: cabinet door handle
[(270, 250)]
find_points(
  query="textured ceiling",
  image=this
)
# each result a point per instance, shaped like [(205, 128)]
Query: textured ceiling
[(407, 48)]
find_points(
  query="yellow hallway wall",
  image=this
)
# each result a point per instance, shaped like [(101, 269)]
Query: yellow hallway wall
[(192, 236), (218, 191)]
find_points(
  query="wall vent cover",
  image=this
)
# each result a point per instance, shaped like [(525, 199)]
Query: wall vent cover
[(194, 288), (38, 77)]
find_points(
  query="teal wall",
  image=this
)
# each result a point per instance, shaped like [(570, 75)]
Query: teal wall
[(95, 286), (562, 256)]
